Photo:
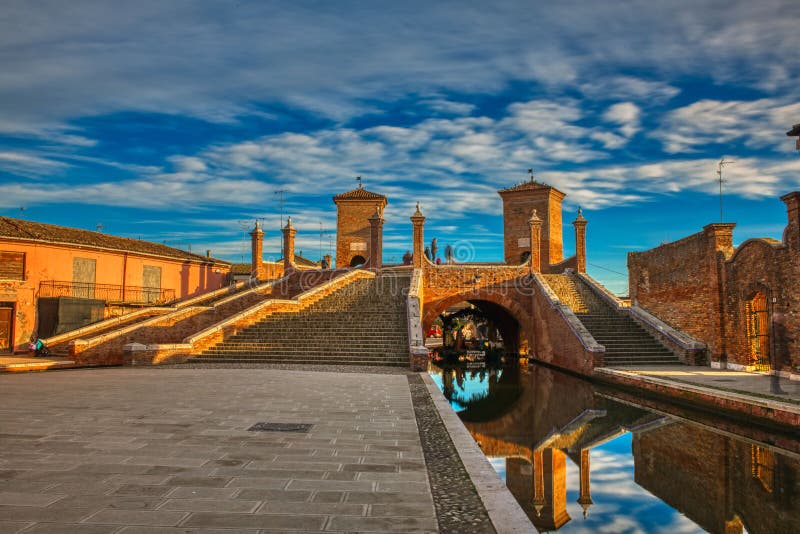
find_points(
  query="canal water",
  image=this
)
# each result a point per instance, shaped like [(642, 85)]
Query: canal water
[(580, 457)]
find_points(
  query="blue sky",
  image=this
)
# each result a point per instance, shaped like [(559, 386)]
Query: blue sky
[(176, 121)]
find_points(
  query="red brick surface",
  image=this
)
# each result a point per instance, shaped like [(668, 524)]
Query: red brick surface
[(701, 285), (353, 211)]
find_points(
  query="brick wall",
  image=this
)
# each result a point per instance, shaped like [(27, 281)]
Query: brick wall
[(701, 285), (517, 208), (522, 310), (679, 283), (710, 477), (353, 230), (770, 268)]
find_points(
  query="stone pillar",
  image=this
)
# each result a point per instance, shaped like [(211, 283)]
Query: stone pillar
[(418, 221), (791, 236), (538, 482), (535, 223), (289, 232), (550, 500), (376, 240), (257, 246), (580, 240), (585, 496)]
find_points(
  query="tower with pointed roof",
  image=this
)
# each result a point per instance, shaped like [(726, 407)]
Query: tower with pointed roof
[(353, 212), (519, 202)]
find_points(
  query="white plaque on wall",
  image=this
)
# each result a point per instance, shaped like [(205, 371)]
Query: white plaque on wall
[(358, 247), (524, 242)]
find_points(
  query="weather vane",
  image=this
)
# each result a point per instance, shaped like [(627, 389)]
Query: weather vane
[(359, 181), (530, 172)]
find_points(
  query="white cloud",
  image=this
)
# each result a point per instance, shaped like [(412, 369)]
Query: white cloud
[(758, 123), (84, 59), (626, 115)]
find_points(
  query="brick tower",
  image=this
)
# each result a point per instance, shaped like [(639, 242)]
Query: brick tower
[(519, 202), (353, 212)]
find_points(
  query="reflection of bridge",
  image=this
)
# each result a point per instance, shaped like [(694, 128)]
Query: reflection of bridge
[(556, 417), (722, 483)]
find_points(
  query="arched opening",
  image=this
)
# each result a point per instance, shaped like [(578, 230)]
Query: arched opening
[(757, 315), (463, 328), (357, 261), (525, 256)]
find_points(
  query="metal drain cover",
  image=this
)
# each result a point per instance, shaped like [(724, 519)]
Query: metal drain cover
[(280, 427)]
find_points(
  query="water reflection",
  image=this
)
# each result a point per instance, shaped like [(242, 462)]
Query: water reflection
[(567, 449)]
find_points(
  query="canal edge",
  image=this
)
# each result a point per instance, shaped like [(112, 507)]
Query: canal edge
[(504, 512), (765, 412)]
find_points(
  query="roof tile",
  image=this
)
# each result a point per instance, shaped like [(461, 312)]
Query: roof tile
[(30, 230)]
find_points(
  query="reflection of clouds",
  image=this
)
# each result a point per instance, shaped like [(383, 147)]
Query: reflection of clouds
[(621, 505), (499, 465)]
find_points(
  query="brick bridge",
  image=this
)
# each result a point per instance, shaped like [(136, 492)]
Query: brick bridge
[(516, 296)]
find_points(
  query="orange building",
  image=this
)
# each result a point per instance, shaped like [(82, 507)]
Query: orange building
[(54, 279)]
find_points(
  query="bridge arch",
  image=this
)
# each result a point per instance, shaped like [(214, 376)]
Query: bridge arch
[(512, 319)]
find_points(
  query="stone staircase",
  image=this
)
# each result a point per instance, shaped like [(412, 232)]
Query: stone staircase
[(625, 341), (361, 323)]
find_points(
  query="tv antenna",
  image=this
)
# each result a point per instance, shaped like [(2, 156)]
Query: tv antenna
[(320, 241), (99, 227), (280, 193), (720, 166)]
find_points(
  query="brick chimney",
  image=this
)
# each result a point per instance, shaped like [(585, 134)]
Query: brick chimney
[(376, 240), (257, 247), (535, 223), (580, 240), (418, 221), (289, 232)]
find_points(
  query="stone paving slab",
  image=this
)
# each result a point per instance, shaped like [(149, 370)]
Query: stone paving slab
[(168, 450), (12, 364), (774, 387)]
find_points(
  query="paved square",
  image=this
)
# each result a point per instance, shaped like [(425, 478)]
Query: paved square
[(168, 450)]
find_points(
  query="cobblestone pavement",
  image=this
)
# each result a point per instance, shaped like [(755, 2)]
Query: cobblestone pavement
[(144, 451), (458, 507)]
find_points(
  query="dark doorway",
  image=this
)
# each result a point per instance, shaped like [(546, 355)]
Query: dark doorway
[(357, 260), (6, 324), (758, 331)]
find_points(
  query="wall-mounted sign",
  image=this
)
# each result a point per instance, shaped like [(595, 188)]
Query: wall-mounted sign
[(524, 242), (358, 247)]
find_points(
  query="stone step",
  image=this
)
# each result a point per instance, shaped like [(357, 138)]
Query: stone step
[(299, 361), (318, 353)]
